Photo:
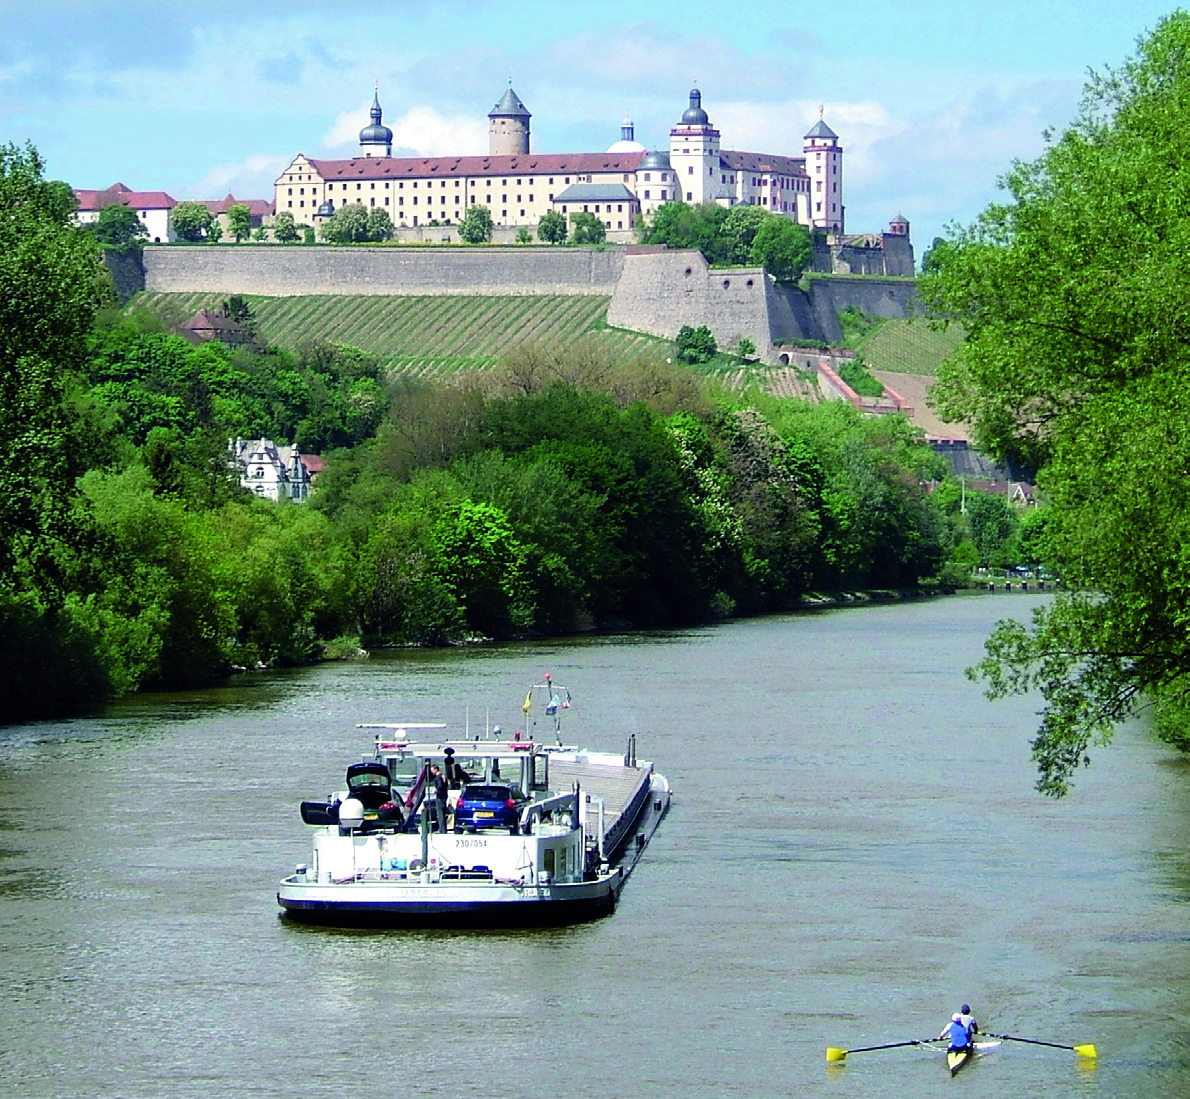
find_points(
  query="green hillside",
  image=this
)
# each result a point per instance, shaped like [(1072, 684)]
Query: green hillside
[(909, 346), (426, 335)]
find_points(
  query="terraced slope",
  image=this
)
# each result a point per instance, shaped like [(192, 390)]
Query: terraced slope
[(422, 335), (909, 347)]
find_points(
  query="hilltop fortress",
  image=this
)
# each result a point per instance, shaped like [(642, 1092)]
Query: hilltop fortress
[(618, 186), (651, 290)]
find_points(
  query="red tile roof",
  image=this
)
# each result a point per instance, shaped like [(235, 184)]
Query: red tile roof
[(257, 207), (362, 167), (119, 195)]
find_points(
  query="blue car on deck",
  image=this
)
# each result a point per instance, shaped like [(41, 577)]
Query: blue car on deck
[(490, 805)]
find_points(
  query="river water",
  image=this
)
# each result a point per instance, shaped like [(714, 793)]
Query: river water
[(855, 847)]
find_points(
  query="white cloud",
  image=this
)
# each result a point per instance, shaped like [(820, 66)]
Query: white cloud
[(250, 178), (420, 131)]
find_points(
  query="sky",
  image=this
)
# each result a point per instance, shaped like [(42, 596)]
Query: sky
[(932, 101)]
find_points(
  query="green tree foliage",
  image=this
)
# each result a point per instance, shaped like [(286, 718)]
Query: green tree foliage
[(191, 221), (476, 226), (552, 228), (738, 231), (677, 225), (782, 247), (586, 229), (214, 231), (284, 229), (1073, 293), (347, 225), (118, 227), (260, 233), (380, 225), (239, 222), (50, 288), (695, 345)]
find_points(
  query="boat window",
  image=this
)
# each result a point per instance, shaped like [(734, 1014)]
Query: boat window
[(548, 861)]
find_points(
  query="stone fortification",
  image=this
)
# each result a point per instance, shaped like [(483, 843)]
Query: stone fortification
[(291, 270), (661, 291)]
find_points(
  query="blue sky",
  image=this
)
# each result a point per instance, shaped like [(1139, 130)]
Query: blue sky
[(932, 101)]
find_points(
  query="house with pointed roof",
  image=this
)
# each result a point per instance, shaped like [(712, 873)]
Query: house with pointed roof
[(153, 208), (270, 471)]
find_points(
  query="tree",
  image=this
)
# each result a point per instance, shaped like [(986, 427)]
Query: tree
[(476, 226), (1072, 291), (191, 221), (745, 348), (695, 345), (739, 231), (586, 229), (523, 236), (783, 248), (214, 231), (380, 225), (50, 286), (284, 229), (346, 225), (677, 225), (239, 222), (118, 227), (552, 228), (260, 233)]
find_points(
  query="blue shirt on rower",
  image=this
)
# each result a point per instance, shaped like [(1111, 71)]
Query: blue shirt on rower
[(959, 1035)]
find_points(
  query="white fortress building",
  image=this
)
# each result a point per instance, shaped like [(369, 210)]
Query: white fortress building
[(618, 186)]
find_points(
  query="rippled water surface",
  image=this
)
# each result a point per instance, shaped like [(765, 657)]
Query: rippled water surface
[(855, 846)]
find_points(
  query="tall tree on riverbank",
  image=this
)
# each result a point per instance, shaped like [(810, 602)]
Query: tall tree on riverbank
[(1074, 293), (50, 287)]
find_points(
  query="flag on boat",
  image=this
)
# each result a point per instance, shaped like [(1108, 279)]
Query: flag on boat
[(528, 701), (552, 708)]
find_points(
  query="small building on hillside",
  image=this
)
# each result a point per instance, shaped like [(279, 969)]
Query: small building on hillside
[(208, 325), (152, 207), (258, 210), (270, 471)]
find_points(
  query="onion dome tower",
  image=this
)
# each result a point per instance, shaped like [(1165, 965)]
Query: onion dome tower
[(824, 166), (508, 130), (694, 154), (376, 139)]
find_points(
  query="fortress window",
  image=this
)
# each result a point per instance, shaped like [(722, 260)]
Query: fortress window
[(456, 183), (456, 200), (663, 194), (415, 200), (301, 190), (400, 185), (619, 207), (522, 213), (372, 201), (291, 190), (386, 200), (401, 202), (619, 225), (503, 215), (690, 170), (551, 181), (530, 198), (646, 193), (359, 186), (551, 196), (518, 198), (386, 184), (648, 176), (566, 180), (290, 204), (689, 196), (373, 186)]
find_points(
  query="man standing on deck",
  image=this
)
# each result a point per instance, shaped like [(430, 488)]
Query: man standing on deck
[(436, 795)]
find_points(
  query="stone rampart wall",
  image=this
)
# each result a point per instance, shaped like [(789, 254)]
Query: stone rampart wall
[(127, 271), (659, 292), (290, 270)]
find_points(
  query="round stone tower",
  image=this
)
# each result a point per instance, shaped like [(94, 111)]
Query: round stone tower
[(508, 132)]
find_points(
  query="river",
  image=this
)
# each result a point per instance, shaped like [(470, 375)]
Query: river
[(855, 847)]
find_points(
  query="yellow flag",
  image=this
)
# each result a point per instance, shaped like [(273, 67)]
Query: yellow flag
[(528, 702)]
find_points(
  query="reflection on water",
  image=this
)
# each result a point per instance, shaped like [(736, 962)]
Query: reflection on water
[(855, 846)]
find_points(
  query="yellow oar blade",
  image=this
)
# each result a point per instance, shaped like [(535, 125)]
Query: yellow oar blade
[(833, 1054), (1087, 1051)]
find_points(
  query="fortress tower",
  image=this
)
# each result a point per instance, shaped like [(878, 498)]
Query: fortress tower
[(376, 139), (508, 132), (824, 166), (694, 154)]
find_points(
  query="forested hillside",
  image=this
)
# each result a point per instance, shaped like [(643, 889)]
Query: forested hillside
[(571, 485)]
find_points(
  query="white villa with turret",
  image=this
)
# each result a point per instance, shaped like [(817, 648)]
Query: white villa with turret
[(618, 186)]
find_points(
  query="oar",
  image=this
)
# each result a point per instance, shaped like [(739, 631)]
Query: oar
[(1087, 1051), (833, 1054)]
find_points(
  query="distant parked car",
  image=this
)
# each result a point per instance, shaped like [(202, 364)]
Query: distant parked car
[(490, 805)]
